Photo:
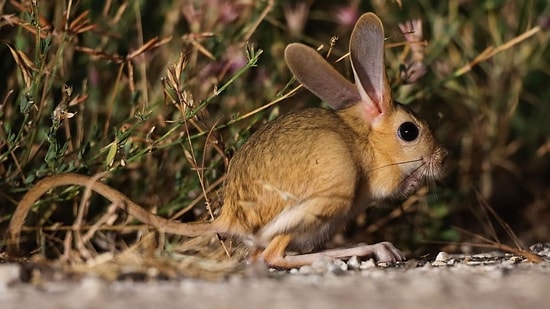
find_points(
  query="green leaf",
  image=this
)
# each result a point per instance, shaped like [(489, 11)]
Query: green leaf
[(112, 153)]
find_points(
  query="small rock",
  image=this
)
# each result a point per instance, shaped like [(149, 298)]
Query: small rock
[(541, 249), (439, 263), (367, 264), (480, 255), (515, 259), (338, 267), (442, 256), (354, 263), (508, 263)]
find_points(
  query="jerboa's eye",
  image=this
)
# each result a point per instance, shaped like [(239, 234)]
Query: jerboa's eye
[(408, 131)]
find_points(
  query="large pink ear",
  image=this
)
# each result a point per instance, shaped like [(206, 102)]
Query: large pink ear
[(367, 60), (317, 75)]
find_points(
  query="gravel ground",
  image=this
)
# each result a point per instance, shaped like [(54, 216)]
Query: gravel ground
[(451, 281)]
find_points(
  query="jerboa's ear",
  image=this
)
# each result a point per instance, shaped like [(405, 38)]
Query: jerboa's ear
[(317, 75), (367, 60)]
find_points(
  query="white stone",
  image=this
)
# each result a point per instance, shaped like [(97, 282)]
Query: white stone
[(442, 257), (367, 264), (354, 263)]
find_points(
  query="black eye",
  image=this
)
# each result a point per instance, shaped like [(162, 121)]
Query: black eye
[(407, 131)]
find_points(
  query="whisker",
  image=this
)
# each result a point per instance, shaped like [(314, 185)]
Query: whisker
[(413, 171), (399, 163)]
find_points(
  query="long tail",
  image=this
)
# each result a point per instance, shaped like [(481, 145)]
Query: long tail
[(116, 197)]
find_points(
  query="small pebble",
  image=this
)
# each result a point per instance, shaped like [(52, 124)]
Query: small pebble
[(354, 263), (442, 256), (367, 264), (338, 267), (439, 263), (508, 264), (479, 255), (541, 249)]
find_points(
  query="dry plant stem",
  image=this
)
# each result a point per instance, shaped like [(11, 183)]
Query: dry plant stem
[(111, 101), (142, 64), (95, 227), (532, 257), (496, 243), (257, 110), (200, 174), (107, 218), (82, 210), (491, 51), (117, 198), (262, 16), (500, 221), (67, 246)]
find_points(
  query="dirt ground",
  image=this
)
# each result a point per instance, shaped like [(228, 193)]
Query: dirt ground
[(447, 282)]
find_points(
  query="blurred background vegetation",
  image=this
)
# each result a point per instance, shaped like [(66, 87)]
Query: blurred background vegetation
[(159, 94)]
